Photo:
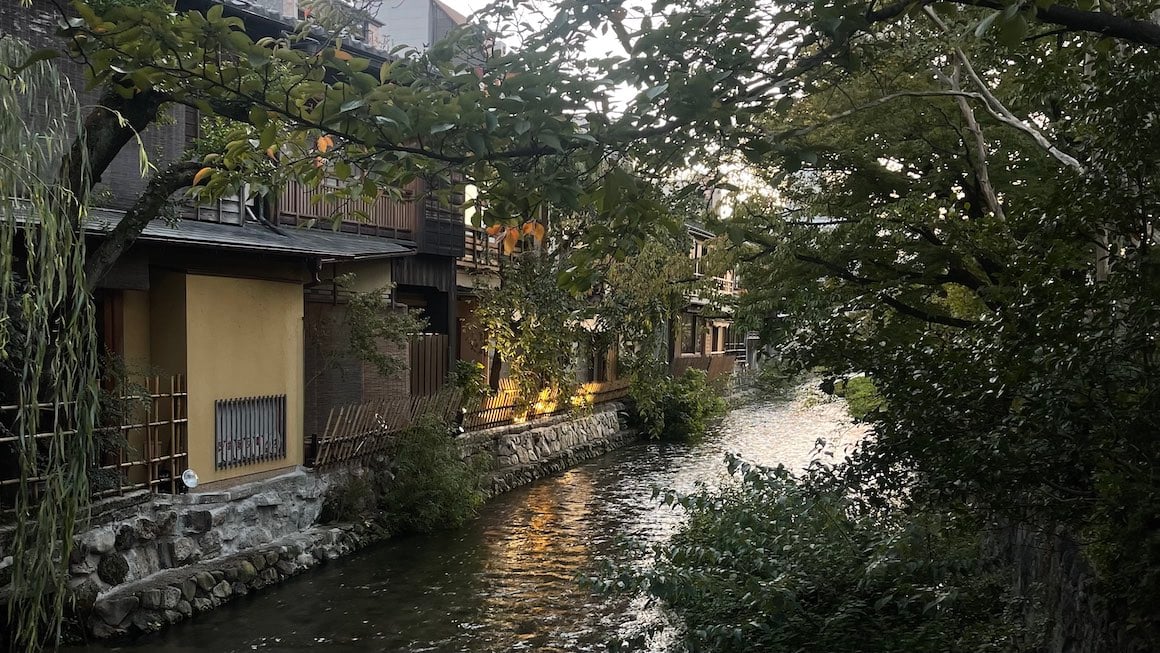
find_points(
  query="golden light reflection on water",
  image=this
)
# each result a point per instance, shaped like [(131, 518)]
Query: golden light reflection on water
[(533, 558)]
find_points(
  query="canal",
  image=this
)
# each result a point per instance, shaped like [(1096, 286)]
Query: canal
[(508, 580)]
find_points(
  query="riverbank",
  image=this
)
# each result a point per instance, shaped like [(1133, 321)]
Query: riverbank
[(159, 561), (507, 581)]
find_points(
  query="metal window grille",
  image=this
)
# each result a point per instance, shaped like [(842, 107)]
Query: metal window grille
[(249, 430)]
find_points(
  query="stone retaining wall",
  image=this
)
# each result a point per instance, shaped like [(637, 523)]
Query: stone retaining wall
[(1065, 602), (525, 452), (176, 594), (156, 561)]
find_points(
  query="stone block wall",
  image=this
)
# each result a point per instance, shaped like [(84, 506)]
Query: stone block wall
[(154, 560), (525, 452), (170, 532)]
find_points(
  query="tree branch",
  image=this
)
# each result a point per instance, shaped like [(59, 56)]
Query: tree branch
[(147, 207), (998, 109), (1141, 32), (887, 298), (925, 316), (108, 128)]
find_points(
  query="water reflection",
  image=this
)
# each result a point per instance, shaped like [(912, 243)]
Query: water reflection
[(507, 581)]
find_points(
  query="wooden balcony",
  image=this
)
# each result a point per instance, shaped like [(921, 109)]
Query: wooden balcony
[(727, 285), (479, 253), (383, 217)]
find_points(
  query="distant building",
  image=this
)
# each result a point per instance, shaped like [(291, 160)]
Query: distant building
[(415, 23)]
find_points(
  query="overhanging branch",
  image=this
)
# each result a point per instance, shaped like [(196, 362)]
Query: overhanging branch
[(147, 207)]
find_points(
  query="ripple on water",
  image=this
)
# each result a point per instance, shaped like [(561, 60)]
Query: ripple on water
[(508, 581)]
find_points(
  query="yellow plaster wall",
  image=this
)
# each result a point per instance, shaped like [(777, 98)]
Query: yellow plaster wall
[(368, 275), (244, 339)]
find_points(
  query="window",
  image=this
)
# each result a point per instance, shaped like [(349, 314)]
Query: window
[(692, 339), (249, 430)]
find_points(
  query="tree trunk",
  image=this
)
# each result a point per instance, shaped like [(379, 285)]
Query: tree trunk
[(147, 207)]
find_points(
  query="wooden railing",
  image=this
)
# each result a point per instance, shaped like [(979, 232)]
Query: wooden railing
[(370, 428), (227, 210), (479, 252), (383, 217), (723, 285), (148, 450), (507, 406)]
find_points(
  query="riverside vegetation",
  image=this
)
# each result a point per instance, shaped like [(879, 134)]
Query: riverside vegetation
[(427, 486), (674, 408)]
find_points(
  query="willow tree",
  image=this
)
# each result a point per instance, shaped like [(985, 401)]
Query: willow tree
[(48, 349)]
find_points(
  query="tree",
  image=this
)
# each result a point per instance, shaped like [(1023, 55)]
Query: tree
[(961, 202), (48, 351), (303, 107)]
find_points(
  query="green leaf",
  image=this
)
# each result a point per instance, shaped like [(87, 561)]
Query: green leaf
[(551, 140), (655, 91), (477, 144), (985, 24), (1012, 31), (36, 57)]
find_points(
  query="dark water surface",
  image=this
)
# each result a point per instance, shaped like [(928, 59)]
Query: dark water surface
[(507, 581)]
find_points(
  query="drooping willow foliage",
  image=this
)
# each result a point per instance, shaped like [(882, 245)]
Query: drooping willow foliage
[(48, 349)]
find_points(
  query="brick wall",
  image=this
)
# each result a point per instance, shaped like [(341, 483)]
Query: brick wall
[(334, 376)]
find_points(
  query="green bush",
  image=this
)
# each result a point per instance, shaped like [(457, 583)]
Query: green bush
[(433, 487), (674, 408), (350, 499), (861, 396), (470, 377), (772, 564), (775, 377)]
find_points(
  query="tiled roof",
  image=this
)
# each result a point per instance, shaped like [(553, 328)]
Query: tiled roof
[(254, 237)]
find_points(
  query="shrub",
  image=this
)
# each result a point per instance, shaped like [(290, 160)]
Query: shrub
[(470, 377), (348, 500), (775, 377), (674, 408), (433, 487), (861, 396), (772, 564)]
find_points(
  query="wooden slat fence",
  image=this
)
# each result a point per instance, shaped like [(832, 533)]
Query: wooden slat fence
[(383, 217), (715, 366), (504, 407), (429, 353), (361, 430), (148, 450)]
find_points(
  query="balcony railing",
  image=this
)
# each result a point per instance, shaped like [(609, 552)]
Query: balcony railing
[(383, 217), (724, 285), (479, 252)]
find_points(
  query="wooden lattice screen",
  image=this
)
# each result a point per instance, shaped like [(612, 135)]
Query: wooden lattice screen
[(147, 450)]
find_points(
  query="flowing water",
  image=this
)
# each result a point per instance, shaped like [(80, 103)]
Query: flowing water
[(508, 580)]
